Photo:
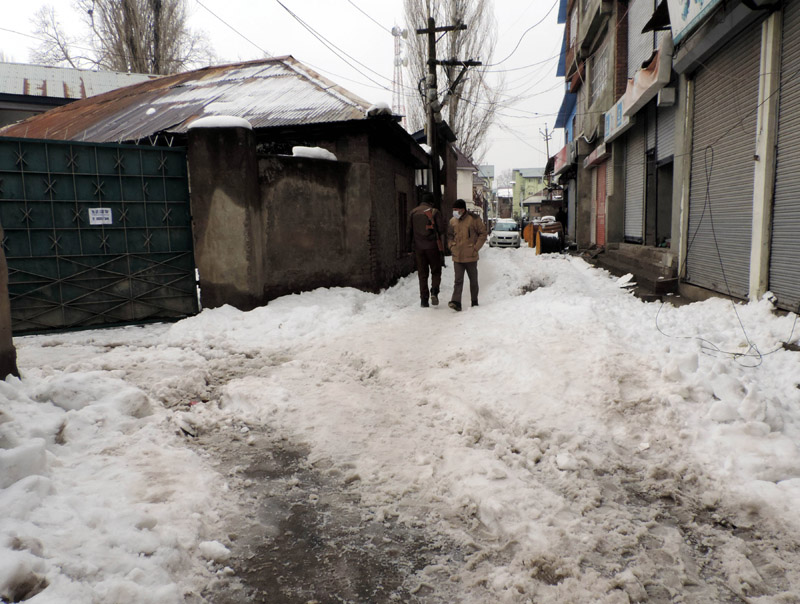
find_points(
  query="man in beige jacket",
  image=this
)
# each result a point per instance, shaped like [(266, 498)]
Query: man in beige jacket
[(466, 234)]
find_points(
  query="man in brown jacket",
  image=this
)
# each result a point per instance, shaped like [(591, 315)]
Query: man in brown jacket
[(466, 234), (425, 231)]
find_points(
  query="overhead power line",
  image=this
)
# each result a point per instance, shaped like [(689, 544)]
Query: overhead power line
[(369, 17), (224, 22), (335, 49)]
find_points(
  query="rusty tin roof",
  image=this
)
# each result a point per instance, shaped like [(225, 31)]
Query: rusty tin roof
[(60, 82), (278, 91)]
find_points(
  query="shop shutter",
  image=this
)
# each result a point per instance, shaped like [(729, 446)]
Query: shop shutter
[(635, 166), (723, 148), (640, 46), (784, 266), (650, 125), (665, 144)]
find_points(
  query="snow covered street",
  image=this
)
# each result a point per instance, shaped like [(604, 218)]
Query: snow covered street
[(563, 442)]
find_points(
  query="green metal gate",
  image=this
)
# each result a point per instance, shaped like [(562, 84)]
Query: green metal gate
[(95, 234)]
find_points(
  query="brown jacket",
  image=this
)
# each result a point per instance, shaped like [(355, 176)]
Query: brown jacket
[(425, 224), (465, 236)]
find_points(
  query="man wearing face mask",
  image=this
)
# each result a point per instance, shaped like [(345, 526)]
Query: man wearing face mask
[(466, 234)]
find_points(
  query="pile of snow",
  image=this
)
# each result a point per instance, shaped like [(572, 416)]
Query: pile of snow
[(523, 430), (220, 121), (379, 108), (100, 501), (313, 152)]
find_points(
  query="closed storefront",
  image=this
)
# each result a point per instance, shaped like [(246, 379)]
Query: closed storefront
[(635, 168), (784, 266), (722, 166), (665, 142)]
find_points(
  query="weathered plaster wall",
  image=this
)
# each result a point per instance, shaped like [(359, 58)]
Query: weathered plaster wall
[(226, 214)]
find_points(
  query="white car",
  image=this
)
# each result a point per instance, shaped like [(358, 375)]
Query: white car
[(505, 233)]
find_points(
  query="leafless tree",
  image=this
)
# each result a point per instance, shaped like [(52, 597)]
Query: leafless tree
[(505, 179), (469, 106), (141, 36)]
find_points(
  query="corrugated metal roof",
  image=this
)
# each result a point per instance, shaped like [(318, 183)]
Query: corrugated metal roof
[(279, 91), (62, 83)]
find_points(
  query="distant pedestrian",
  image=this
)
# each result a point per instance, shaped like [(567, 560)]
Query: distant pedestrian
[(425, 232), (466, 234)]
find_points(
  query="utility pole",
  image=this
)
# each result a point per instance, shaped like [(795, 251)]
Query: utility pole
[(433, 105), (547, 138)]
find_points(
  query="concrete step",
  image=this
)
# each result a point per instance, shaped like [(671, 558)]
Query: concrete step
[(653, 279)]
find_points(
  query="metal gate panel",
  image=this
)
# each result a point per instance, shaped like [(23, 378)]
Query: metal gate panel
[(723, 148), (95, 234), (784, 265), (635, 166), (640, 46), (665, 145)]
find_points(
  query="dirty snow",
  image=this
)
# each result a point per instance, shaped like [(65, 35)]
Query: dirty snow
[(575, 443)]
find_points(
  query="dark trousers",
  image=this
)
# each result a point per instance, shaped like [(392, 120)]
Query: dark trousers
[(471, 268), (429, 262)]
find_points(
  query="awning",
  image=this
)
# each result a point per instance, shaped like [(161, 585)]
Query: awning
[(596, 157), (660, 19), (646, 82), (564, 158), (561, 70), (565, 111)]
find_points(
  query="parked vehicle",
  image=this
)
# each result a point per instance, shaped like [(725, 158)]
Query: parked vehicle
[(505, 233)]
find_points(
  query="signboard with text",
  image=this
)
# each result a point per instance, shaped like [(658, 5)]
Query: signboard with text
[(686, 15), (99, 215), (616, 122)]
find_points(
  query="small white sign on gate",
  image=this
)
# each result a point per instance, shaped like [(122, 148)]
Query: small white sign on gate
[(99, 215)]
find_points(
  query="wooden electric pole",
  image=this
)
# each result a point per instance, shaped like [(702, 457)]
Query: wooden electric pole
[(433, 107)]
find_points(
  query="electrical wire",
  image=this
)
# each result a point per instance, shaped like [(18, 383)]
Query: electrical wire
[(547, 14), (370, 17), (236, 31), (333, 48)]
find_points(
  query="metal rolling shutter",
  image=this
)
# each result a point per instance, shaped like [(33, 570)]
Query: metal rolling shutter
[(634, 184), (665, 145), (640, 46), (721, 207), (784, 267), (650, 124)]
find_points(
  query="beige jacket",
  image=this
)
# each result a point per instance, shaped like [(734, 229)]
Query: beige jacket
[(465, 236)]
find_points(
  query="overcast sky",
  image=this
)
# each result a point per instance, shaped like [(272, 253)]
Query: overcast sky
[(359, 32)]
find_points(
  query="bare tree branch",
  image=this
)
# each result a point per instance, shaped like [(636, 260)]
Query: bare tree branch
[(472, 104), (141, 36)]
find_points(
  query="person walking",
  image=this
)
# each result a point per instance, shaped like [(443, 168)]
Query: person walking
[(425, 232), (466, 234)]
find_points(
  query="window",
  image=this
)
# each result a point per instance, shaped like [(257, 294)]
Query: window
[(599, 66)]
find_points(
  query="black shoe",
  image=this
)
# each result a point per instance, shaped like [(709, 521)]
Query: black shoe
[(456, 306), (474, 302), (435, 298), (423, 302)]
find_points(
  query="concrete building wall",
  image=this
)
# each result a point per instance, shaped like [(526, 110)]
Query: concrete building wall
[(270, 225), (226, 215)]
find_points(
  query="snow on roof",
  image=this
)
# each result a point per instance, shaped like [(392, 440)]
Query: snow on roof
[(62, 83), (217, 121)]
